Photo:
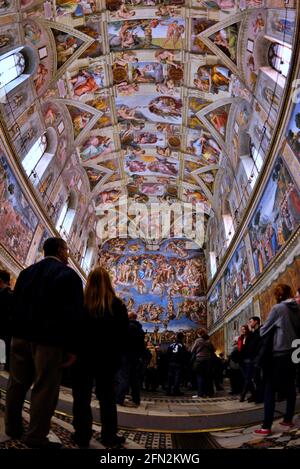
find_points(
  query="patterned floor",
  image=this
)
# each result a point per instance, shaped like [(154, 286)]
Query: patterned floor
[(61, 429), (158, 404), (245, 438)]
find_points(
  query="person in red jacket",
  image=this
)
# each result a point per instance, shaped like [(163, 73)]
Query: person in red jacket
[(243, 337)]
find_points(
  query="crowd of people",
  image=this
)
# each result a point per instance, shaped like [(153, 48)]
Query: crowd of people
[(49, 324)]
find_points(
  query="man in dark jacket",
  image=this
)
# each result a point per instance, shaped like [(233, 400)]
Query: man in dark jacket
[(249, 353), (177, 358), (129, 374), (5, 317), (47, 312)]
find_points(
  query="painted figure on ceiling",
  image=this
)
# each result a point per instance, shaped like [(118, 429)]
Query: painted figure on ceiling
[(95, 146), (88, 81), (284, 26), (213, 79)]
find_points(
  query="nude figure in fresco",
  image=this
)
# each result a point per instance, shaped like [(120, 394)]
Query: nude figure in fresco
[(124, 12), (166, 56), (88, 81)]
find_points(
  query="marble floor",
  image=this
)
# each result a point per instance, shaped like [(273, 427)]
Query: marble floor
[(225, 421)]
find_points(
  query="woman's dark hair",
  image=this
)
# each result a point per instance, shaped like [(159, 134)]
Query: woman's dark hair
[(282, 292), (203, 334)]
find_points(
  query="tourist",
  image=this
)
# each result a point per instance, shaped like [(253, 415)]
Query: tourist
[(103, 338), (48, 308), (283, 326)]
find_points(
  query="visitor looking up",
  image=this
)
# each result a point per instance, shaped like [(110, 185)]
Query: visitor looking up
[(47, 310), (283, 327), (104, 335)]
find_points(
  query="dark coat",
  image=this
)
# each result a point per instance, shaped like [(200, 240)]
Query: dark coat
[(6, 296), (104, 338), (48, 305), (136, 339), (252, 345)]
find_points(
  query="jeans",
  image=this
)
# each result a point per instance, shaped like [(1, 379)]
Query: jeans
[(174, 378), (128, 376), (280, 376), (248, 372), (204, 378)]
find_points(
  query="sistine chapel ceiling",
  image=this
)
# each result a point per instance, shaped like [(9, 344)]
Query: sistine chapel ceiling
[(151, 90)]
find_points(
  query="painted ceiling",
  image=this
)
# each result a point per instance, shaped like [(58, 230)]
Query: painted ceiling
[(150, 88)]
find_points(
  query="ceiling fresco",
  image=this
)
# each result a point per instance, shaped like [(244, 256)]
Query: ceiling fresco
[(148, 88)]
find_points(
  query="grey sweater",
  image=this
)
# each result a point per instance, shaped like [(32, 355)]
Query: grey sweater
[(203, 349), (285, 319)]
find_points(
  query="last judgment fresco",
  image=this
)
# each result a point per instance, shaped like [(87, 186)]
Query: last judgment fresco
[(165, 287)]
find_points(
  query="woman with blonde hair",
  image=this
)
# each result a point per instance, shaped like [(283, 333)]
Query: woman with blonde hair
[(104, 335)]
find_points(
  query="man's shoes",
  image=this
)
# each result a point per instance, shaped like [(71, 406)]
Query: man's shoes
[(263, 431), (115, 442), (251, 399), (287, 424), (79, 441)]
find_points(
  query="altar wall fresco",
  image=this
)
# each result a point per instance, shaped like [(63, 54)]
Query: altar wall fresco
[(165, 288)]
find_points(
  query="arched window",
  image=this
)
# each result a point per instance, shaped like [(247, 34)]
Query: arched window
[(67, 215), (213, 263), (229, 228), (15, 67), (252, 165), (11, 67), (39, 156), (280, 58), (90, 247)]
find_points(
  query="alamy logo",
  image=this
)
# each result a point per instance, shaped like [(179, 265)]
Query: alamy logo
[(152, 221), (296, 353)]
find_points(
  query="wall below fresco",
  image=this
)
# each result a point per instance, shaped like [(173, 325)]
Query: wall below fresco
[(258, 304), (218, 340), (290, 277)]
